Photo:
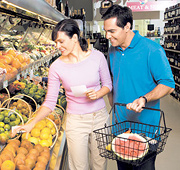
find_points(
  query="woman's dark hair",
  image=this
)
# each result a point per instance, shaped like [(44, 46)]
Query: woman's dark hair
[(123, 15), (70, 27)]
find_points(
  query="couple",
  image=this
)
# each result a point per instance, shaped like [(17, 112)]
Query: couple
[(140, 75)]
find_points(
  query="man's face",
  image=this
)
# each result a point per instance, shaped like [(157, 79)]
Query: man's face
[(115, 34)]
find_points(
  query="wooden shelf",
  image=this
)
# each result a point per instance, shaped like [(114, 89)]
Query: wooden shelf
[(175, 67), (176, 51)]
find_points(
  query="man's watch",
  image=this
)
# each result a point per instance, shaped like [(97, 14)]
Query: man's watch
[(144, 98)]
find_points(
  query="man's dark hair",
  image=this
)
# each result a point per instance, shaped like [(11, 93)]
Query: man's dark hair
[(123, 15)]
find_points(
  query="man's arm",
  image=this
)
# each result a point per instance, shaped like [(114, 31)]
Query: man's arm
[(158, 92)]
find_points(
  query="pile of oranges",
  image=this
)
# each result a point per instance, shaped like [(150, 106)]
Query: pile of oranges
[(24, 156), (11, 60)]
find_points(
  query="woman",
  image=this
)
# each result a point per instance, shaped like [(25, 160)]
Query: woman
[(86, 72)]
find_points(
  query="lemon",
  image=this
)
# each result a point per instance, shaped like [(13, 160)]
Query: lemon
[(26, 136), (49, 124), (108, 147), (40, 125), (44, 136), (49, 141), (35, 132), (44, 143), (46, 130), (34, 140), (1, 124), (53, 131)]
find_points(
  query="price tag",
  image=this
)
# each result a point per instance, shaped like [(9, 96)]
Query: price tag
[(18, 76), (31, 74), (22, 73), (5, 83), (25, 75)]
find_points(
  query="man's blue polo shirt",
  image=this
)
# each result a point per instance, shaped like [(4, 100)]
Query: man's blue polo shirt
[(136, 71)]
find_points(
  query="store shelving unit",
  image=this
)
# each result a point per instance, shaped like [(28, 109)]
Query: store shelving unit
[(172, 44)]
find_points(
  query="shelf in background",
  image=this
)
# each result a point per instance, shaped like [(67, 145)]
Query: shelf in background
[(176, 51), (175, 67)]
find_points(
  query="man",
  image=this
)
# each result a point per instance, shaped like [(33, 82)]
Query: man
[(140, 71)]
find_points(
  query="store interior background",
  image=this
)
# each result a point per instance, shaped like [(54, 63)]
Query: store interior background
[(94, 23)]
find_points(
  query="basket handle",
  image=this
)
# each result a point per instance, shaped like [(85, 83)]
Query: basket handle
[(162, 117)]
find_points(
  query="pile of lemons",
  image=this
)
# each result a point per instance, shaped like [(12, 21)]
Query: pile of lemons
[(42, 133)]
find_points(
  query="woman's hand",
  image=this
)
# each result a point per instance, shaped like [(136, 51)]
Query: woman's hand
[(91, 94), (27, 128)]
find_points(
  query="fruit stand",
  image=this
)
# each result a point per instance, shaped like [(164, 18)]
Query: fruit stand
[(26, 51)]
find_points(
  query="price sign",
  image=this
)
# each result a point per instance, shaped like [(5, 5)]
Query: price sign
[(5, 83), (31, 74), (18, 76)]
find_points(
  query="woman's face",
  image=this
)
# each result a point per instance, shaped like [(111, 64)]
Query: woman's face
[(64, 43)]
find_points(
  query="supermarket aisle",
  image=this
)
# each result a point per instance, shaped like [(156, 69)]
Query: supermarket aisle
[(168, 159)]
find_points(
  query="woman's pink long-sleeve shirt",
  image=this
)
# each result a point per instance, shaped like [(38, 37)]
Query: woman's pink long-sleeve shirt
[(92, 72)]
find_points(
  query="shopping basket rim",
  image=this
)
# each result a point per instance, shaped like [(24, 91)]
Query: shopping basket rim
[(127, 121)]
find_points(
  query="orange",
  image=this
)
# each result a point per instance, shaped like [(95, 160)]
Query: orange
[(22, 150), (11, 57), (8, 165), (51, 117), (8, 68), (35, 132), (20, 57), (34, 151), (7, 59), (2, 65), (41, 165), (16, 63), (46, 149), (42, 159), (45, 154), (32, 156), (30, 163), (38, 147), (12, 52), (21, 155)]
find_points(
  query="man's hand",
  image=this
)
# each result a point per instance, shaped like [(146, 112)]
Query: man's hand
[(136, 105)]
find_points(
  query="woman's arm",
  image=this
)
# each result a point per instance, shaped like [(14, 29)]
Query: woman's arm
[(41, 113)]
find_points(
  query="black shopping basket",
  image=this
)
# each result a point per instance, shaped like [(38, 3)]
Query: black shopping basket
[(132, 142)]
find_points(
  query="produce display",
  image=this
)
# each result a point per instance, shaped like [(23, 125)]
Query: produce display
[(8, 118), (25, 55), (24, 156)]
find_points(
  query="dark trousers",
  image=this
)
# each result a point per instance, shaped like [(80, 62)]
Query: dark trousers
[(147, 165)]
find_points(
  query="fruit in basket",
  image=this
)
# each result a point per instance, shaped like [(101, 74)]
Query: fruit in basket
[(44, 143), (3, 138), (35, 132), (33, 140), (130, 146), (8, 165)]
